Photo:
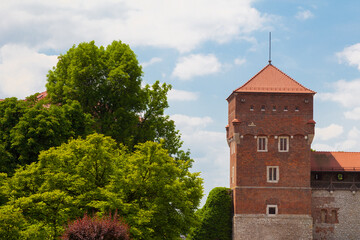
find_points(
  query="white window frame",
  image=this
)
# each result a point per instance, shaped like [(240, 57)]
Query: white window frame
[(287, 144), (270, 178), (271, 206), (258, 144)]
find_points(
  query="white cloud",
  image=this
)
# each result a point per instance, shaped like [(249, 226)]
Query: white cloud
[(346, 93), (329, 132), (181, 95), (189, 124), (151, 62), (322, 147), (23, 70), (353, 114), (304, 15), (196, 65), (239, 61), (350, 143), (182, 25), (208, 148), (350, 55)]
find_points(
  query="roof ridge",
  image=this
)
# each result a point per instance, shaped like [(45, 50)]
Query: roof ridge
[(294, 87), (291, 78), (252, 77)]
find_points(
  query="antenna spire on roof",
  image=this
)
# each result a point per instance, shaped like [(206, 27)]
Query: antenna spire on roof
[(270, 48)]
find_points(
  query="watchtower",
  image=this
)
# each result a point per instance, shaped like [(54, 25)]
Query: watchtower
[(270, 130)]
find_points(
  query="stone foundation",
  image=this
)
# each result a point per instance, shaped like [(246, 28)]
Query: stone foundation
[(275, 227)]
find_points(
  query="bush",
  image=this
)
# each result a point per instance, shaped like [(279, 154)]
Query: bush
[(215, 218), (106, 228)]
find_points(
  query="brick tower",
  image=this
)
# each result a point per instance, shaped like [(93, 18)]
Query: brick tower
[(270, 131)]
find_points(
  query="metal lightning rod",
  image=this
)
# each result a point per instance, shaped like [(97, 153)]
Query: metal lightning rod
[(270, 48)]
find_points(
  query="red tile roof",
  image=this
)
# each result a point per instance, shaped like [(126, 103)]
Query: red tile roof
[(42, 95), (335, 161), (271, 79)]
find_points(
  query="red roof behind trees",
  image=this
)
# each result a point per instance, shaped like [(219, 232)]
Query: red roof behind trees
[(335, 161)]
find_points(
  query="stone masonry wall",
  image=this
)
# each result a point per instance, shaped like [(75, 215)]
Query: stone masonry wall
[(336, 215), (276, 227)]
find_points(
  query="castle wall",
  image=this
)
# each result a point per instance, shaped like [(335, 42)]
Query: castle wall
[(279, 227), (336, 215)]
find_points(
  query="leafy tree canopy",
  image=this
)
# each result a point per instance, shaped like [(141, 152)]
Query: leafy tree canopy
[(156, 195), (28, 128), (107, 83), (215, 217)]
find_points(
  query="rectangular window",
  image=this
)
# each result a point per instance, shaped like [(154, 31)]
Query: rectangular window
[(283, 144), (272, 174), (271, 209), (262, 144)]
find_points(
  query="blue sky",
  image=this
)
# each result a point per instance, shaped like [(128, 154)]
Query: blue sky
[(205, 49)]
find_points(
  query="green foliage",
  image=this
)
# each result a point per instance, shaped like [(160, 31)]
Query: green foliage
[(215, 217), (107, 83), (28, 127), (43, 127), (156, 194), (11, 110)]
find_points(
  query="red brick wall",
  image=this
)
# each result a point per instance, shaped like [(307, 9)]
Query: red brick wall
[(252, 192)]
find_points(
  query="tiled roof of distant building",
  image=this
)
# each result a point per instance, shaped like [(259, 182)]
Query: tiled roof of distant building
[(335, 161)]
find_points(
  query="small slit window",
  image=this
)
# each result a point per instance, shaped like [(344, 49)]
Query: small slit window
[(263, 108), (232, 174), (274, 108), (251, 108), (297, 109), (285, 108)]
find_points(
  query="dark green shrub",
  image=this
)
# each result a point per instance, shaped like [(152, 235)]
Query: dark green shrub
[(215, 218)]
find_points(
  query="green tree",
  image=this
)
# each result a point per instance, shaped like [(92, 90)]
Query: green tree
[(11, 110), (42, 127), (156, 195), (107, 83), (215, 218)]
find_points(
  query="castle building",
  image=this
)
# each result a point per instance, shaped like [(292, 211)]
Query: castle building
[(281, 188)]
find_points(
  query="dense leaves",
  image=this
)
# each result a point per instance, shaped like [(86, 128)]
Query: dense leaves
[(156, 195), (27, 129), (107, 83), (215, 217), (56, 163)]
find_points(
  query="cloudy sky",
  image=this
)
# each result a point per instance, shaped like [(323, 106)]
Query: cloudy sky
[(205, 49)]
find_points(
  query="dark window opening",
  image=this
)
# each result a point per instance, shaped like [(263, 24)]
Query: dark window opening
[(274, 108), (285, 108), (251, 108), (263, 108), (296, 108), (272, 210)]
